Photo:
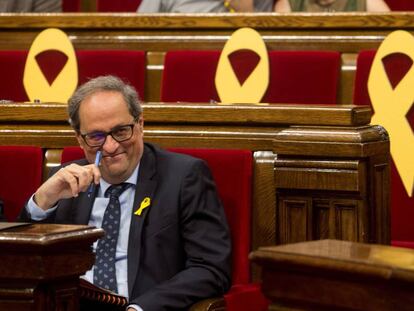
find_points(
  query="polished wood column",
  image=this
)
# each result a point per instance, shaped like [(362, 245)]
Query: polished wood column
[(40, 265), (337, 275)]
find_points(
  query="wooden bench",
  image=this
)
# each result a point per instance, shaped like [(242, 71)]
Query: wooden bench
[(347, 33)]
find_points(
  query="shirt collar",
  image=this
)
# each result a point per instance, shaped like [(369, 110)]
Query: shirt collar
[(104, 185)]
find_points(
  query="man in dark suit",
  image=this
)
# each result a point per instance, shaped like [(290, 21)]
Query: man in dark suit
[(173, 243)]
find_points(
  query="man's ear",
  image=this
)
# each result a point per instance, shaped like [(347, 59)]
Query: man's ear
[(140, 124), (80, 140)]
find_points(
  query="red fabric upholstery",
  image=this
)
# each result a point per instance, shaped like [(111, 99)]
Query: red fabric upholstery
[(307, 77), (400, 5), (402, 212), (21, 175), (232, 171), (246, 297), (72, 153), (128, 65), (117, 6), (11, 81), (71, 6), (188, 76), (406, 244)]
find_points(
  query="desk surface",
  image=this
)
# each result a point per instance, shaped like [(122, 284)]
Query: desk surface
[(379, 261), (337, 275)]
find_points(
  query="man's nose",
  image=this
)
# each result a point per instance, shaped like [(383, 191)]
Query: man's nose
[(110, 144)]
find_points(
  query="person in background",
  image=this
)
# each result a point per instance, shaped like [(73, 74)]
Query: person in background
[(167, 242), (36, 6), (283, 6), (204, 6)]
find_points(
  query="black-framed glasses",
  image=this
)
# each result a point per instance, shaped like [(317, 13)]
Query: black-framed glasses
[(120, 133)]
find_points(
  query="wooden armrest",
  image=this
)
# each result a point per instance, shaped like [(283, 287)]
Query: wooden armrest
[(211, 304)]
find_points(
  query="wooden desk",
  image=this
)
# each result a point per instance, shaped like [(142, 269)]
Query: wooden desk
[(40, 265), (337, 275)]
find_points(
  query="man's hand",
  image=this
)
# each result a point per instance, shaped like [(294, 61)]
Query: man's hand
[(66, 183)]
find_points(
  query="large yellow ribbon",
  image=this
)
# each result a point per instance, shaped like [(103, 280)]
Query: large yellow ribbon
[(227, 84), (392, 105), (35, 83)]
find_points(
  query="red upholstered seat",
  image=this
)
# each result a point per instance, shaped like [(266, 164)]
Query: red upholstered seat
[(11, 81), (117, 6), (402, 212), (232, 171), (306, 77), (71, 153), (71, 6), (128, 65), (188, 76), (400, 5), (20, 176)]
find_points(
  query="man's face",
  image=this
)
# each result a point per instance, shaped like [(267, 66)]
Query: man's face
[(102, 112)]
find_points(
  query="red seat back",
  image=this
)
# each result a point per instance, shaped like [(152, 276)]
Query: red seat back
[(117, 6), (400, 5), (232, 172), (188, 76), (11, 81), (307, 77), (304, 77), (71, 6), (21, 175), (128, 65), (401, 204)]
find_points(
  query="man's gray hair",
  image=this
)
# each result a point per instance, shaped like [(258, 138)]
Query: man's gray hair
[(103, 83)]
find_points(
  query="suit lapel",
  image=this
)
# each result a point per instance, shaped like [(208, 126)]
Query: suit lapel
[(146, 185)]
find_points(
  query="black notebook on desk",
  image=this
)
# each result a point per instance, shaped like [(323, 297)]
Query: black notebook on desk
[(93, 297)]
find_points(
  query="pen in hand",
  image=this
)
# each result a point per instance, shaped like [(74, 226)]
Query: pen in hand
[(98, 157)]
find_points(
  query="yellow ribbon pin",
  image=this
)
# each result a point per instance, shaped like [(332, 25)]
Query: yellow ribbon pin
[(392, 105), (144, 204)]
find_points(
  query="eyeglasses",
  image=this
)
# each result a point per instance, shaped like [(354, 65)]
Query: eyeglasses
[(119, 133)]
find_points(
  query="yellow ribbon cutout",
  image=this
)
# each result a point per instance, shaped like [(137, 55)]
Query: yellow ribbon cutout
[(228, 86), (392, 105), (144, 204), (35, 83)]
